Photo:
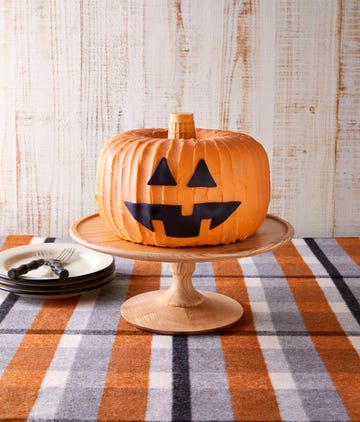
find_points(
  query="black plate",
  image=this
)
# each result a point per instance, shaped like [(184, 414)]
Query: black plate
[(46, 293), (49, 282)]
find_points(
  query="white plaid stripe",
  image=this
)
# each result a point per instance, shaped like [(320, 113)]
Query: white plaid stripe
[(60, 368), (161, 342), (160, 376), (355, 342), (269, 342), (259, 307), (37, 239), (272, 348), (256, 294), (55, 379), (282, 381), (70, 341), (339, 307), (160, 380), (207, 364)]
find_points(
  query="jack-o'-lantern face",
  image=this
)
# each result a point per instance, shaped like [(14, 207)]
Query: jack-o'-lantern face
[(175, 223), (161, 191)]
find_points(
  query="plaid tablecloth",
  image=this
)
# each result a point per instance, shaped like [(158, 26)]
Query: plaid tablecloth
[(293, 356)]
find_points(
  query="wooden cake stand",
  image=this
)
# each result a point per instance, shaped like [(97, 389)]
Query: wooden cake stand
[(181, 309)]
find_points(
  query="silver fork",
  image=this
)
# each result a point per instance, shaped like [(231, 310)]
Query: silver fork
[(54, 263)]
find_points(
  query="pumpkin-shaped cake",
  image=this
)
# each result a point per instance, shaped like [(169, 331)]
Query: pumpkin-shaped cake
[(183, 186)]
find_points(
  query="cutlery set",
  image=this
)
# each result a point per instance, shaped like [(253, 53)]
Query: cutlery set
[(56, 264), (54, 270)]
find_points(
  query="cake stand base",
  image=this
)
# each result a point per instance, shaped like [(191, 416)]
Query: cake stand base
[(181, 309)]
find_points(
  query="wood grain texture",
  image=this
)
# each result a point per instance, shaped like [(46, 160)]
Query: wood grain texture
[(92, 232), (347, 178), (8, 175), (305, 118), (73, 73), (151, 312)]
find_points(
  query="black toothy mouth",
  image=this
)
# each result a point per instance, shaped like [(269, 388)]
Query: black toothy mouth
[(177, 225)]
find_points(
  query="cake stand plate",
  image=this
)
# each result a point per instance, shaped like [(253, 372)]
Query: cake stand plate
[(181, 309)]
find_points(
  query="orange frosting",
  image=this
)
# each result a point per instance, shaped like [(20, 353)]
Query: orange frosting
[(238, 164)]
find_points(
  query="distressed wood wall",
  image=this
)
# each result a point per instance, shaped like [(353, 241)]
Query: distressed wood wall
[(73, 73)]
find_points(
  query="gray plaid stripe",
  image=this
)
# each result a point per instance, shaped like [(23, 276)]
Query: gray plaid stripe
[(338, 257), (297, 372), (210, 396), (7, 301), (301, 361), (205, 365), (16, 322), (81, 362), (346, 293), (334, 298), (289, 400)]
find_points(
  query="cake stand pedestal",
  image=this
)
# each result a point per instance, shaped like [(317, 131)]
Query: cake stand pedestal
[(181, 309)]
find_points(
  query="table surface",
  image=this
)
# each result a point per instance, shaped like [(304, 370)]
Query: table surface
[(293, 356)]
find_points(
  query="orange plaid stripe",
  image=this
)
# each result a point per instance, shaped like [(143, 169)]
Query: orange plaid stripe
[(318, 316), (251, 391), (126, 386), (23, 376), (16, 240), (351, 246)]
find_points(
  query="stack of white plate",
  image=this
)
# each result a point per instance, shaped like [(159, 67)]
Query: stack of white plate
[(88, 270)]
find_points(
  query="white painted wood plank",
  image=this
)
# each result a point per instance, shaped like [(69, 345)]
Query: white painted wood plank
[(8, 175), (102, 78), (261, 95), (235, 66), (347, 187), (248, 70), (305, 115), (135, 112), (46, 112), (65, 149), (217, 62), (182, 57)]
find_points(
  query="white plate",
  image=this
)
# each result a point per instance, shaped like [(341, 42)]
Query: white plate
[(83, 262)]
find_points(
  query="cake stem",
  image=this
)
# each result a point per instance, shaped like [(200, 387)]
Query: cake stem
[(181, 126)]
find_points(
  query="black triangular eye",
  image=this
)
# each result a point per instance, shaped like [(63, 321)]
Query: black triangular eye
[(162, 175), (201, 177)]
